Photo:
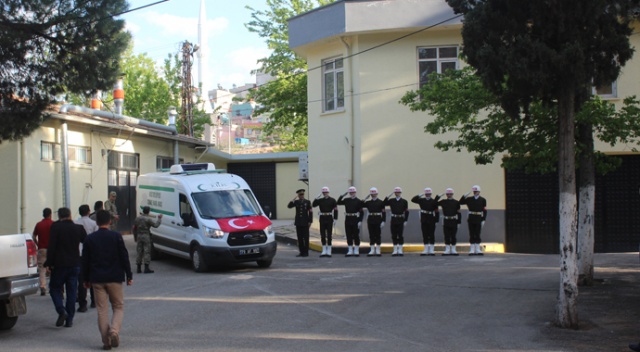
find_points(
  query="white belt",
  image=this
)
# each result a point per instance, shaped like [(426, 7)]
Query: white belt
[(397, 215), (450, 217), (376, 214), (427, 212), (324, 214), (476, 213), (351, 214)]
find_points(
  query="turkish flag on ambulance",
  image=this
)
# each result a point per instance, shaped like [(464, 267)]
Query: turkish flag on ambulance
[(247, 223)]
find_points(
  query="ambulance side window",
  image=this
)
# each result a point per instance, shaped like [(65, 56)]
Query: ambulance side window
[(186, 213)]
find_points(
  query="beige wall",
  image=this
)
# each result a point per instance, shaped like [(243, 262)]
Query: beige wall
[(286, 185)]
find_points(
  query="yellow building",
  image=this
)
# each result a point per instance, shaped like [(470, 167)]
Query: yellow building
[(363, 56)]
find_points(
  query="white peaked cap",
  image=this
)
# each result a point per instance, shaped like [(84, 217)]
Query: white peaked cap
[(475, 188), (373, 190), (351, 189), (397, 189), (449, 190), (428, 190), (325, 189)]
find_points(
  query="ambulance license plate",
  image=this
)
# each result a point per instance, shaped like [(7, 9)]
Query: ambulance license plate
[(249, 251)]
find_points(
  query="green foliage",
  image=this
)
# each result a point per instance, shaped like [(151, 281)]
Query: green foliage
[(284, 99), (460, 104), (147, 94), (51, 47)]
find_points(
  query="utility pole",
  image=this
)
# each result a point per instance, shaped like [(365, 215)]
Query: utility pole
[(186, 115)]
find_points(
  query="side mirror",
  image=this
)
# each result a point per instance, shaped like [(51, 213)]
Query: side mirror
[(267, 211)]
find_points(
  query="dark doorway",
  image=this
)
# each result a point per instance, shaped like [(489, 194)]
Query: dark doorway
[(261, 177), (122, 176)]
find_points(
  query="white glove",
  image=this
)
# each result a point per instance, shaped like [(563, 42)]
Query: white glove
[(382, 224), (482, 224), (405, 224), (359, 224)]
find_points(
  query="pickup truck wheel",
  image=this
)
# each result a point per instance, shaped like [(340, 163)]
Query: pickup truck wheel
[(197, 260), (6, 322), (264, 263)]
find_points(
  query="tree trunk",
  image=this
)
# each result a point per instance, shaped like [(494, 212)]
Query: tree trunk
[(567, 310), (586, 205)]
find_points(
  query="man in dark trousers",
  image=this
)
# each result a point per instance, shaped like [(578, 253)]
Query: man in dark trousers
[(303, 220), (451, 213), (399, 215), (477, 206), (352, 220), (375, 221), (429, 217), (105, 264), (328, 215), (63, 262)]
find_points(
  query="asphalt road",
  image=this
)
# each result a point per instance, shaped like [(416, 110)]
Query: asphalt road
[(498, 302)]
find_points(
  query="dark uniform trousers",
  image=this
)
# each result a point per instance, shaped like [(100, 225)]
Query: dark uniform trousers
[(399, 214), (474, 221), (429, 216), (326, 229), (303, 239), (376, 216)]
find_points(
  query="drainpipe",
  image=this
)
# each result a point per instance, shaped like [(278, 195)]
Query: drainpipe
[(23, 193), (65, 167), (109, 115), (351, 105)]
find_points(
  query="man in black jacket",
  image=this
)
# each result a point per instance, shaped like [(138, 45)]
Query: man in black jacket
[(105, 263), (63, 262), (303, 220)]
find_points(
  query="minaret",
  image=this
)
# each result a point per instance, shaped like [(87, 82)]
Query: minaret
[(202, 54)]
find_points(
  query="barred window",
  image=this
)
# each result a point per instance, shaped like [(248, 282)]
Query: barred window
[(50, 151)]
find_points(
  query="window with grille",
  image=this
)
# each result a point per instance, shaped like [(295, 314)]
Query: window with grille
[(50, 151)]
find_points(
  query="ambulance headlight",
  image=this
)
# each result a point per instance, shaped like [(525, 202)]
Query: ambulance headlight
[(212, 233), (269, 230)]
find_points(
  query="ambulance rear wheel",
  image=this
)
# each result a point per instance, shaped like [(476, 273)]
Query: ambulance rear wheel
[(197, 260)]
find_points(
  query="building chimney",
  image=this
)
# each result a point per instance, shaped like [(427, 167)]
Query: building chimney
[(118, 95), (96, 102)]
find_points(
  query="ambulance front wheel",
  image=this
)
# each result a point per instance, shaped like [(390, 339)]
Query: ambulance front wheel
[(265, 263), (198, 261)]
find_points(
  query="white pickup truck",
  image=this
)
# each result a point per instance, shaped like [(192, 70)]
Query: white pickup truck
[(18, 276)]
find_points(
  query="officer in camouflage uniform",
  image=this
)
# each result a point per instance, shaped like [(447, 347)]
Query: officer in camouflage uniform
[(141, 227), (110, 206)]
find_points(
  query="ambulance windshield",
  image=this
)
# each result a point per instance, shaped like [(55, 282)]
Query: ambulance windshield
[(226, 204)]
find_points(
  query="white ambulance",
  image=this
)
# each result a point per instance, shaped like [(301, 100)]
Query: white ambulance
[(209, 217)]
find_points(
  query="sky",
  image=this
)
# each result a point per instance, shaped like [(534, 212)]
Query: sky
[(161, 29)]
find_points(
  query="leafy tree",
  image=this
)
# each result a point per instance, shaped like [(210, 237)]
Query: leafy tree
[(552, 52), (147, 93), (285, 98), (49, 47)]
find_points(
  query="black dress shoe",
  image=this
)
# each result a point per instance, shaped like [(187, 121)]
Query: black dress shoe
[(93, 304), (299, 255), (68, 324), (82, 308), (634, 346), (61, 318)]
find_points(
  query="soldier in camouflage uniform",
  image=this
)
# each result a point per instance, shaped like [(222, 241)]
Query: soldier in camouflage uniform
[(110, 206), (141, 227)]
